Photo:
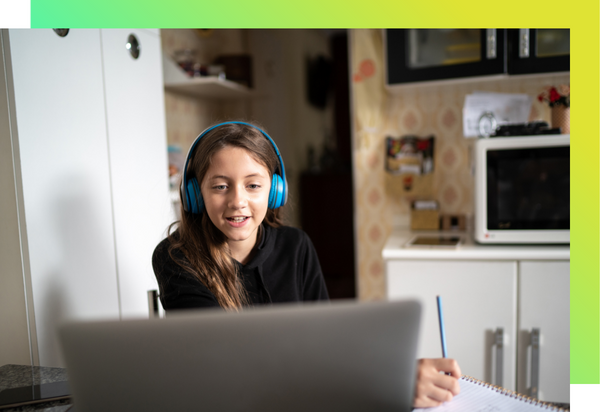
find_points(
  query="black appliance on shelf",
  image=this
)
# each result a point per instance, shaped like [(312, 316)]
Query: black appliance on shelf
[(525, 129)]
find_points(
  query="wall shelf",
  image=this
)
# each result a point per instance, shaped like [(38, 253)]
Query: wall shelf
[(211, 87)]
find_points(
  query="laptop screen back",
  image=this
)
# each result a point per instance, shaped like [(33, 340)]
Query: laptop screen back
[(320, 357)]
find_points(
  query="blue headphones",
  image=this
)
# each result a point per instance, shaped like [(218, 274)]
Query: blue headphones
[(191, 197)]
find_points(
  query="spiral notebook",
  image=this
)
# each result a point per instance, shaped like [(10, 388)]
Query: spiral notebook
[(479, 396)]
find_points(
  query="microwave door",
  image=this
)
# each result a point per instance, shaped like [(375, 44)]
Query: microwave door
[(523, 193), (528, 189)]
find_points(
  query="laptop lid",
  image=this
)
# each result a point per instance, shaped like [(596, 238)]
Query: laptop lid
[(342, 356)]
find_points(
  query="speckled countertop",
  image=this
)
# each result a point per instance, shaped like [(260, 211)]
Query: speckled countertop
[(14, 376)]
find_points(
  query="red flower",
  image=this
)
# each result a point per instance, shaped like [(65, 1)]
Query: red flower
[(554, 96), (560, 96)]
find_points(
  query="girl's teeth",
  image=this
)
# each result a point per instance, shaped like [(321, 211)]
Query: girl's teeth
[(238, 219)]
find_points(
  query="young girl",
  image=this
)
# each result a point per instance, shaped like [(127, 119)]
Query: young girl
[(230, 249)]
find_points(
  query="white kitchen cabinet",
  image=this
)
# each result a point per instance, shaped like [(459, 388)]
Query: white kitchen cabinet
[(64, 161), (544, 305), (90, 177), (484, 288), (478, 297)]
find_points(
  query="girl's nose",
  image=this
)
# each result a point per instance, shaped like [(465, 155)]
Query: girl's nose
[(238, 198)]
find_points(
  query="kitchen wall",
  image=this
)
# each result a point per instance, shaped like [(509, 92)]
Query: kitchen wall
[(381, 201), (280, 101)]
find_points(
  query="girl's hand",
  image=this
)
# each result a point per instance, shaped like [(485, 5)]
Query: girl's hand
[(432, 387)]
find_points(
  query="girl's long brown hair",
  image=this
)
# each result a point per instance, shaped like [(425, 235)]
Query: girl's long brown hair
[(207, 255)]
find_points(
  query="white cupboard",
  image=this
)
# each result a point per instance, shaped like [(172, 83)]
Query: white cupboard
[(90, 175), (544, 306), (138, 160), (478, 298), (506, 310)]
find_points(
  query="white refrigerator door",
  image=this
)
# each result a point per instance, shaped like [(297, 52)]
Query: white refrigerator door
[(138, 160), (59, 98)]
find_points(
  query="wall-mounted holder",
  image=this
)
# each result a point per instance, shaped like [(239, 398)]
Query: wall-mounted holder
[(409, 163), (409, 154)]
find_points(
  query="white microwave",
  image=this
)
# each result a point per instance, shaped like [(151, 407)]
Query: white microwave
[(522, 187)]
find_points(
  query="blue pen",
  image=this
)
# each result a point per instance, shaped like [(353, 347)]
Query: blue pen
[(442, 332)]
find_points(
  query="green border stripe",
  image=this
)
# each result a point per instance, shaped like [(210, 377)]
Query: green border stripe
[(296, 14), (585, 184)]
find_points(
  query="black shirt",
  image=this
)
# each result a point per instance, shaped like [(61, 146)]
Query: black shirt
[(284, 268)]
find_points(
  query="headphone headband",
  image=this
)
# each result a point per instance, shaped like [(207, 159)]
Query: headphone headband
[(190, 190)]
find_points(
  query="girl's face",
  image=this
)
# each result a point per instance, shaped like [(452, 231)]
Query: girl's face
[(235, 190)]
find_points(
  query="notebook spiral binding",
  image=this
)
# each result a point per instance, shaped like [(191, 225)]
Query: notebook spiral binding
[(514, 394)]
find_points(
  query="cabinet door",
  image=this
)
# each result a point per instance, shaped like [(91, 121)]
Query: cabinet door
[(138, 159), (544, 305), (538, 50), (416, 55), (478, 298), (61, 124)]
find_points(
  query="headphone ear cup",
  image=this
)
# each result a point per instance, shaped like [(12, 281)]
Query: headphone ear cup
[(194, 197), (277, 195)]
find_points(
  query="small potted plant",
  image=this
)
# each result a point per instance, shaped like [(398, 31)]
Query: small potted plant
[(559, 100)]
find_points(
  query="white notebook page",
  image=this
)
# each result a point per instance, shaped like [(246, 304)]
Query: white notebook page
[(477, 396)]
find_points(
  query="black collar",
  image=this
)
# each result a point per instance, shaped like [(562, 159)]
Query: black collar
[(265, 247)]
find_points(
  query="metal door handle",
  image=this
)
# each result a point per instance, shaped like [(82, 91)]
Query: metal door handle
[(523, 43), (491, 43), (153, 303), (499, 342), (535, 363)]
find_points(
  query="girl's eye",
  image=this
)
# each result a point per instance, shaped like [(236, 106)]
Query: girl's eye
[(254, 186), (220, 187)]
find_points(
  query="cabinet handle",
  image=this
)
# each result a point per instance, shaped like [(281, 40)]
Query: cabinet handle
[(491, 43), (133, 45), (61, 32), (535, 363), (523, 43), (499, 340), (153, 303)]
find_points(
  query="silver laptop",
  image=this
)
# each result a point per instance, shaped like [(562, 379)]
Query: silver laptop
[(342, 356)]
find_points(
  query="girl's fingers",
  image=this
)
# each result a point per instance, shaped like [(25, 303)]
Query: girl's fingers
[(447, 365), (433, 387), (447, 383), (439, 394), (431, 395)]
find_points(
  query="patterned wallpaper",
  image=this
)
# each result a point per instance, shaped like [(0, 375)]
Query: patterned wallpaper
[(382, 202)]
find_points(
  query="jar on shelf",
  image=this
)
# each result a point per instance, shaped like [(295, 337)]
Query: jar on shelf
[(186, 59)]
